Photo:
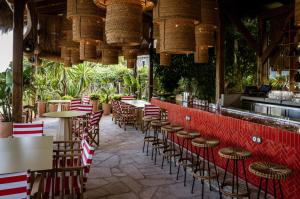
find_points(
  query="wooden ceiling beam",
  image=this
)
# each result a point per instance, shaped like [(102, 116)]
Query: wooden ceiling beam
[(252, 42)]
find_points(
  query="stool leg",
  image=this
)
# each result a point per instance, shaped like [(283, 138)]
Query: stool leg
[(226, 168), (208, 167), (233, 173), (281, 193), (274, 187), (259, 188), (266, 187), (202, 173), (215, 167), (181, 153), (173, 147), (237, 176), (245, 175), (195, 171)]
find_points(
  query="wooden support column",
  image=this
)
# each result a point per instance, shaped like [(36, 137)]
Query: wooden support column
[(151, 55), (220, 57), (17, 94)]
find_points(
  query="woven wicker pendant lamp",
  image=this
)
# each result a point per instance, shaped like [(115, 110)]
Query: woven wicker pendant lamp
[(297, 13), (146, 4), (177, 36), (209, 16), (131, 63), (88, 50), (165, 59), (75, 57), (123, 25), (110, 54), (201, 55), (130, 52)]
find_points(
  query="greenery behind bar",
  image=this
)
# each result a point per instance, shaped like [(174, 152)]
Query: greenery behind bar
[(199, 79)]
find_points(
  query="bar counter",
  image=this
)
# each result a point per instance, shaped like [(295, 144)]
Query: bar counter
[(278, 145)]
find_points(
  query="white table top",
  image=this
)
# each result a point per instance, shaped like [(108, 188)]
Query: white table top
[(136, 103), (65, 114), (22, 154)]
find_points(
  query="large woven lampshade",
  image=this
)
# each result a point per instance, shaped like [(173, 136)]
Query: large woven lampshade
[(123, 25), (131, 63), (185, 9), (165, 59), (204, 38), (147, 4), (177, 36), (50, 33), (67, 35), (88, 50), (201, 55), (75, 57), (297, 12), (209, 15), (130, 52)]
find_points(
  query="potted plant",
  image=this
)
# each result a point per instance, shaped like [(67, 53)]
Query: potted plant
[(5, 105), (66, 106), (95, 97), (107, 92)]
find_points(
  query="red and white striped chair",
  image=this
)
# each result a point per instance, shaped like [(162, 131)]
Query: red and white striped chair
[(86, 99), (93, 128), (81, 123), (128, 98), (17, 186), (151, 112), (27, 129), (74, 104), (72, 161)]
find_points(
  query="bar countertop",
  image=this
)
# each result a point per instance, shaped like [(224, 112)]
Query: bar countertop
[(277, 122)]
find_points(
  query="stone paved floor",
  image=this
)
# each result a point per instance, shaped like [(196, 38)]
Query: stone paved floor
[(121, 171)]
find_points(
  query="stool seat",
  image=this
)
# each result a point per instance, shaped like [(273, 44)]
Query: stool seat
[(150, 118), (203, 142), (187, 135), (234, 153), (159, 123), (269, 170), (171, 129)]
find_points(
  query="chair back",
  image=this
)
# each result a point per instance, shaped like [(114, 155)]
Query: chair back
[(14, 185), (86, 99), (27, 129), (85, 108), (95, 118), (151, 110), (74, 104), (87, 153), (128, 98)]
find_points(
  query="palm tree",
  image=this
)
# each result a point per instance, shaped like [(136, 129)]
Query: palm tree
[(82, 75)]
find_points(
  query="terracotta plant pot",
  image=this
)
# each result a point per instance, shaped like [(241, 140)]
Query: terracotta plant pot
[(5, 129), (53, 107), (41, 108), (106, 109), (95, 104)]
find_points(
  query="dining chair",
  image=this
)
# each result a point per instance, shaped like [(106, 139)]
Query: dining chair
[(72, 161), (74, 104), (18, 185), (151, 112), (79, 124), (86, 99), (127, 98), (28, 129)]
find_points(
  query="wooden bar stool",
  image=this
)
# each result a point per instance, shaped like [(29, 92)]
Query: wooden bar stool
[(170, 151), (269, 171), (147, 131), (158, 143), (185, 139), (200, 172), (236, 155)]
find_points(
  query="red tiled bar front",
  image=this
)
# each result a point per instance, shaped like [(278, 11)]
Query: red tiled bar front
[(278, 145)]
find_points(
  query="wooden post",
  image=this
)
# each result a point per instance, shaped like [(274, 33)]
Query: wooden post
[(17, 94), (220, 57), (150, 73)]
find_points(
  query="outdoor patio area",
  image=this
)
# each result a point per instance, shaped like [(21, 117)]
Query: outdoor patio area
[(120, 170)]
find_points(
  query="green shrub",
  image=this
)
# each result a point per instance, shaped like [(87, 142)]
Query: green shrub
[(67, 97)]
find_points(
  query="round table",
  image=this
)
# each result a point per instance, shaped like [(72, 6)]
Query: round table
[(59, 103), (64, 132)]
